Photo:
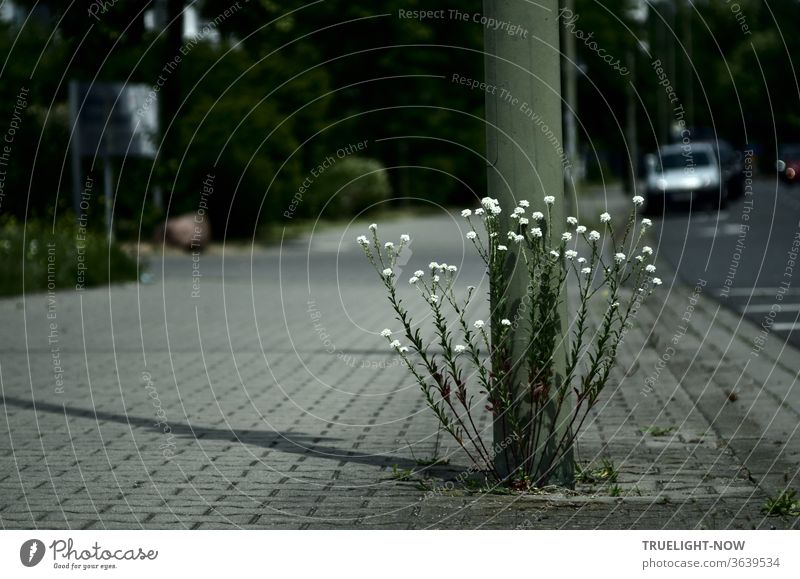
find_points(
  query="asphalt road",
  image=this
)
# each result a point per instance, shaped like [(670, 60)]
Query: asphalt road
[(747, 254)]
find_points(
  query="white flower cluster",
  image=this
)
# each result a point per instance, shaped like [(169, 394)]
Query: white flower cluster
[(491, 205)]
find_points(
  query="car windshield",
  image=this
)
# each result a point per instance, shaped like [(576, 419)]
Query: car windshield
[(678, 160)]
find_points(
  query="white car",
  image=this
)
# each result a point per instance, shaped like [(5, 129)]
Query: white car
[(683, 173)]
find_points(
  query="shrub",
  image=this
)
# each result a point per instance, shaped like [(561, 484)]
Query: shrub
[(525, 392), (354, 184), (52, 256)]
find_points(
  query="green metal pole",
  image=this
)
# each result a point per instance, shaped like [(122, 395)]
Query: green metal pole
[(526, 161)]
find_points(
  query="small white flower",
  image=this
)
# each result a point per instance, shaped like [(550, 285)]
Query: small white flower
[(554, 253), (646, 223), (581, 260), (502, 248), (386, 333), (536, 232), (657, 281), (478, 324), (549, 200), (433, 265), (452, 268), (405, 238), (518, 211), (571, 254), (479, 211), (413, 280), (523, 203), (419, 273), (466, 213), (505, 322), (362, 240), (459, 349), (586, 270), (442, 266), (580, 229), (614, 306), (389, 245), (493, 234), (537, 215), (605, 217), (519, 238), (650, 268), (373, 226), (433, 298), (495, 210), (566, 236), (395, 344), (514, 216), (388, 272), (619, 257), (402, 349), (511, 235), (471, 235), (436, 279), (594, 235), (647, 250), (572, 220), (523, 221), (638, 200), (488, 202), (639, 258)]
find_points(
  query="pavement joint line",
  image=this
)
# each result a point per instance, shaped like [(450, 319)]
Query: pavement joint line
[(785, 326), (766, 308), (760, 291)]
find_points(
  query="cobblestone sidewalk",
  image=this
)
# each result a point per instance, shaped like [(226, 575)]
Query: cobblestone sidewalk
[(258, 395)]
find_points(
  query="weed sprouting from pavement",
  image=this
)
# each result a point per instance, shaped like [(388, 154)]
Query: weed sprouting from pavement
[(659, 431), (529, 393), (607, 472), (785, 504)]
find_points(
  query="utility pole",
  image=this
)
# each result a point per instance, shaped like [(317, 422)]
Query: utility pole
[(631, 130), (525, 159), (570, 74), (688, 79), (639, 15)]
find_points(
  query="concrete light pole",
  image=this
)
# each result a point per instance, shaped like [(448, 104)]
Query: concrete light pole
[(570, 74), (525, 154)]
